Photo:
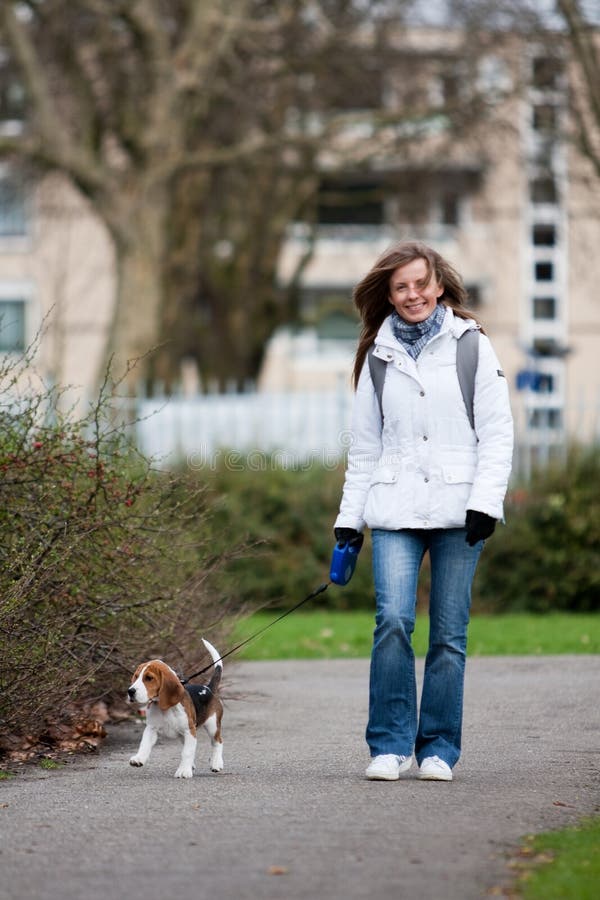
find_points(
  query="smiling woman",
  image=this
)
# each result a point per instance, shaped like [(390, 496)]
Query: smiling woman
[(414, 291), (425, 477)]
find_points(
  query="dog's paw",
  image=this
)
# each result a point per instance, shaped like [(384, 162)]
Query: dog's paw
[(216, 761), (135, 761), (184, 772)]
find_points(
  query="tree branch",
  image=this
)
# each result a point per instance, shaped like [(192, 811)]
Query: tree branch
[(30, 67), (585, 52), (212, 28), (585, 94), (144, 20), (51, 146), (582, 135)]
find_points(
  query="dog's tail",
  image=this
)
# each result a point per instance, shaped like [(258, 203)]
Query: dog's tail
[(216, 658)]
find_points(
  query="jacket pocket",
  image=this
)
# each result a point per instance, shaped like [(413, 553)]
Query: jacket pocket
[(458, 474), (384, 499), (383, 476)]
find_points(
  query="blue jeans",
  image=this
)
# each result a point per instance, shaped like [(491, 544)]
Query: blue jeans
[(394, 726)]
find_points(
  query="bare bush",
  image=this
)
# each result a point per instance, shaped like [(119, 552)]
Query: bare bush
[(104, 560)]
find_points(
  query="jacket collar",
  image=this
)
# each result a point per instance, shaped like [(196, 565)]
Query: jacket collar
[(385, 337)]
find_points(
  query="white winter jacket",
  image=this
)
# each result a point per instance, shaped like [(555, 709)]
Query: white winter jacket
[(427, 466)]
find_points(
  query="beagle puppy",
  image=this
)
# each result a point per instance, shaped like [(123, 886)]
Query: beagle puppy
[(176, 710)]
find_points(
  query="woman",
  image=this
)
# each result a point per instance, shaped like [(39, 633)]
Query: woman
[(424, 480)]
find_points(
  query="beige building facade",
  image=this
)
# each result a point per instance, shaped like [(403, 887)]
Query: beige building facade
[(57, 281)]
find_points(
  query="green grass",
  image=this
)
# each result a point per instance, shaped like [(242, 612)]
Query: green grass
[(50, 764), (563, 865), (333, 634)]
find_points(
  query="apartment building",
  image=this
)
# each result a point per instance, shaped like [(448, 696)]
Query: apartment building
[(517, 211), (518, 214)]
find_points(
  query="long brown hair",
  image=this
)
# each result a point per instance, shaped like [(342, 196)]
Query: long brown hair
[(371, 295)]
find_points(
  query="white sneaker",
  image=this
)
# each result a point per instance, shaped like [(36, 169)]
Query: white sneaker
[(388, 766), (435, 769)]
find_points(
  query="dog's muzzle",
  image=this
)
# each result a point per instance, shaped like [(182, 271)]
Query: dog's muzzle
[(131, 694)]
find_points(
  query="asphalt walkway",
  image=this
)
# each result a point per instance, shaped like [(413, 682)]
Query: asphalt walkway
[(292, 815)]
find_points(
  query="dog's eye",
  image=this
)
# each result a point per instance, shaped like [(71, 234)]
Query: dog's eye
[(148, 677)]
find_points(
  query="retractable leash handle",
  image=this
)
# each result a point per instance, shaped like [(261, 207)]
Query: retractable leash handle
[(343, 560)]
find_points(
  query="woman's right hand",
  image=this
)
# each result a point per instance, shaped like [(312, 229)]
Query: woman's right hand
[(348, 536)]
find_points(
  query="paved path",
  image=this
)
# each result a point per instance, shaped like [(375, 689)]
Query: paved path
[(293, 796)]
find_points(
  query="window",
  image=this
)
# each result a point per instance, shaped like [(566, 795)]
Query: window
[(450, 208), (545, 418), (545, 73), (545, 117), (548, 347), (546, 383), (350, 203), (450, 87), (12, 96), (544, 271), (12, 325), (543, 190), (13, 221), (363, 89), (338, 325), (544, 308), (543, 235), (316, 303)]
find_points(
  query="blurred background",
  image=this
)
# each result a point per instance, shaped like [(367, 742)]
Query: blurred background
[(199, 185)]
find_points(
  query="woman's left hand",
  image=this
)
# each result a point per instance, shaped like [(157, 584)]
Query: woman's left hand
[(479, 527)]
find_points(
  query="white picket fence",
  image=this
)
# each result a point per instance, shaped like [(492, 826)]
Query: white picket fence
[(291, 429), (284, 428)]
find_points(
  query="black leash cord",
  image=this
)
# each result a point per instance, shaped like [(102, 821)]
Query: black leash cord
[(319, 590)]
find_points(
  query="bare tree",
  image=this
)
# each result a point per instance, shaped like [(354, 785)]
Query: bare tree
[(130, 98), (196, 129), (584, 39)]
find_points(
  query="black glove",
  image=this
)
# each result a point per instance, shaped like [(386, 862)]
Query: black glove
[(479, 527), (348, 536)]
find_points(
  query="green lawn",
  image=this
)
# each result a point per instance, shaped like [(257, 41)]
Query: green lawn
[(562, 865), (329, 635)]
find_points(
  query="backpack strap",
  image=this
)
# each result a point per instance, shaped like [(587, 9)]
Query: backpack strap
[(377, 368), (467, 359)]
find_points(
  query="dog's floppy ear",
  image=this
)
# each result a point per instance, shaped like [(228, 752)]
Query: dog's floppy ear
[(171, 690)]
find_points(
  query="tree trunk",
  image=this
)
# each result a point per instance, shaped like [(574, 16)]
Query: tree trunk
[(135, 328), (222, 301)]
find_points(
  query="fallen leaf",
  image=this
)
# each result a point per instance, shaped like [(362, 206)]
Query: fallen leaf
[(277, 870), (16, 742)]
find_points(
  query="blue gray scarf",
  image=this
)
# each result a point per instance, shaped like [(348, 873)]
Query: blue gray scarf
[(415, 336)]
